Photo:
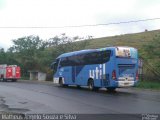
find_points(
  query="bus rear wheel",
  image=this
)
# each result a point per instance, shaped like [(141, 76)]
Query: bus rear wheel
[(78, 86), (91, 85), (96, 88), (111, 89)]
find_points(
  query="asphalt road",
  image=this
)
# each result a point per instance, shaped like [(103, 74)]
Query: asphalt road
[(33, 97)]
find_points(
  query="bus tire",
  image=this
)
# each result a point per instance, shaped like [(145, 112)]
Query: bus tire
[(78, 86), (91, 84), (111, 89), (96, 88), (61, 82)]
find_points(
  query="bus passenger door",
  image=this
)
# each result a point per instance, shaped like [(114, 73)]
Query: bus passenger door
[(65, 72)]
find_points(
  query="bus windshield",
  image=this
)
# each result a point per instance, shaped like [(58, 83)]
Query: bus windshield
[(54, 65)]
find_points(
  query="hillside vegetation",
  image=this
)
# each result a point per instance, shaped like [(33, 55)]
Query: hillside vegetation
[(136, 40)]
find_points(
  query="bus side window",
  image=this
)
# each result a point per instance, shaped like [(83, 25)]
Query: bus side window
[(62, 62), (81, 60), (106, 56), (65, 62), (97, 57), (92, 58)]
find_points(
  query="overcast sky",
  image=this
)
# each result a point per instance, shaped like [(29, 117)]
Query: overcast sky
[(59, 13)]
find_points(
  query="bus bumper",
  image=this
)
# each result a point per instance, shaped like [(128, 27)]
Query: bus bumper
[(56, 80), (124, 83)]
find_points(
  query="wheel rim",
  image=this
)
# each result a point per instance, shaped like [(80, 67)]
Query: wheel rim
[(61, 84), (91, 85)]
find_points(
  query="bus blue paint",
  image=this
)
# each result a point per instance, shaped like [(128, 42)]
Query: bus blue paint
[(109, 67)]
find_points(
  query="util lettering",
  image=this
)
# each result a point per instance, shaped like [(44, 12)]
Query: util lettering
[(98, 72)]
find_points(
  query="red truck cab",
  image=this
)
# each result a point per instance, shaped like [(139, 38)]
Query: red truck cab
[(10, 72)]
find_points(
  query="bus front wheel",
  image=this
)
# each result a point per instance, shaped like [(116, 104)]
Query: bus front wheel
[(61, 83)]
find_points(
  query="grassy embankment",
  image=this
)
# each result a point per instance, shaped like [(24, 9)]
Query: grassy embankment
[(155, 85)]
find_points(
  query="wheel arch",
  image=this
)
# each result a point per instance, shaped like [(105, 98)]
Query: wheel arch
[(90, 79)]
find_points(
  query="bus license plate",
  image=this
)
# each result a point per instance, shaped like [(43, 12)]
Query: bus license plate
[(126, 83)]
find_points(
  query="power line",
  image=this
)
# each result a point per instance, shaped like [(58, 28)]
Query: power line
[(92, 25)]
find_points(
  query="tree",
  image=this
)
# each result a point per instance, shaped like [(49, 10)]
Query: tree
[(26, 51), (33, 53), (64, 44), (2, 56)]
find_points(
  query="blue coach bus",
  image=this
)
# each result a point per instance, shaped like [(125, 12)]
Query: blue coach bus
[(109, 67)]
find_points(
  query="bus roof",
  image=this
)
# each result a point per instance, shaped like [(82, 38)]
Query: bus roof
[(76, 53), (88, 51)]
